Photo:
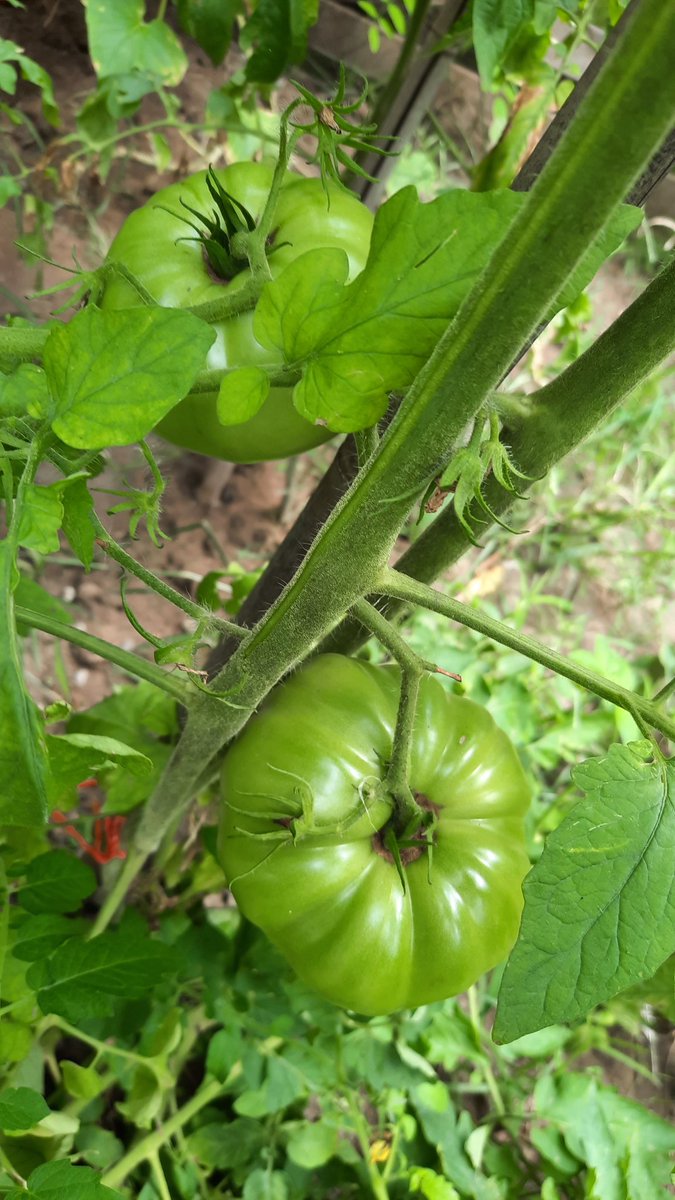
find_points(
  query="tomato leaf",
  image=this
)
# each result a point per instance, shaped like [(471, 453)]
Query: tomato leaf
[(114, 375), (83, 979), (39, 935), (77, 525), (357, 342), (373, 335), (41, 518), (121, 42), (312, 1146), (23, 757), (496, 26), (56, 882), (278, 31), (75, 756), (438, 1122), (600, 903), (54, 1180), (21, 1108), (624, 1146), (210, 22), (263, 1184), (242, 395), (32, 595), (222, 1146), (24, 391)]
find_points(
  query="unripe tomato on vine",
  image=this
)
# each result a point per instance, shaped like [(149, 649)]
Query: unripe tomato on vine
[(179, 270), (305, 837)]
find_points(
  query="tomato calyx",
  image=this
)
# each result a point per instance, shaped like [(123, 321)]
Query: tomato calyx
[(225, 230), (402, 841)]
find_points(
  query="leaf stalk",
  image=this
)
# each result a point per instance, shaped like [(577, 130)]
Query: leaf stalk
[(393, 583)]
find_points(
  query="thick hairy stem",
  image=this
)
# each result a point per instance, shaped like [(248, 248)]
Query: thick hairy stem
[(289, 555), (21, 345), (392, 583), (565, 412), (244, 299), (561, 415), (210, 381)]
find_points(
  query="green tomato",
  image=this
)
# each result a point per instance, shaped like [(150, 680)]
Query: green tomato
[(302, 837), (152, 245)]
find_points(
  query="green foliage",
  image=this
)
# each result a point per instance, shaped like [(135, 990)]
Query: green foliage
[(23, 755), (14, 64), (121, 42), (505, 31), (357, 342), (624, 1147), (54, 1181), (389, 18), (55, 882), (277, 35), (172, 1053), (21, 1108), (82, 979), (211, 23), (113, 375), (610, 856)]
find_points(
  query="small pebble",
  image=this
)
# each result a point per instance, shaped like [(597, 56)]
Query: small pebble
[(89, 589)]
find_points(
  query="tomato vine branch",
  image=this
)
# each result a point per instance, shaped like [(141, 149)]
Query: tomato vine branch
[(153, 1142), (393, 583), (209, 381), (21, 344), (413, 667), (132, 664), (554, 421), (113, 549), (154, 1063)]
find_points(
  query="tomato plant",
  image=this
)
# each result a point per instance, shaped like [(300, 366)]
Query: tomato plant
[(304, 837), (178, 270)]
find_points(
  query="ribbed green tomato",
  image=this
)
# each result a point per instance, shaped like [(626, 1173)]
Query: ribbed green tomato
[(302, 844), (152, 245)]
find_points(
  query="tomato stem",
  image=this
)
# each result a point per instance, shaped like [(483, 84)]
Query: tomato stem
[(157, 585), (253, 243), (287, 144), (401, 587), (408, 814), (231, 304), (144, 1149), (210, 381), (130, 663), (21, 345), (483, 1045), (118, 268), (366, 443)]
